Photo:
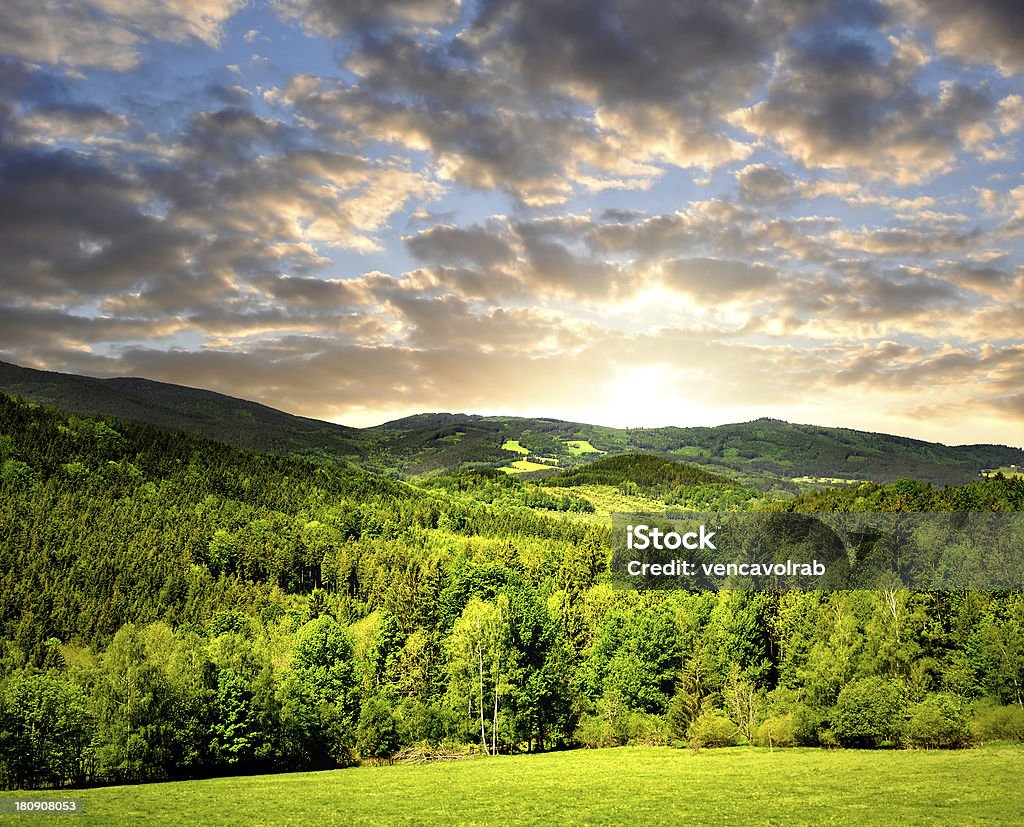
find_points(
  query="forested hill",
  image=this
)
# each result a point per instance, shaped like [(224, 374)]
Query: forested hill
[(192, 410), (439, 442), (171, 606)]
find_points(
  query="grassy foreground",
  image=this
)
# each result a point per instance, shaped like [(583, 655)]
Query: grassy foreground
[(614, 786)]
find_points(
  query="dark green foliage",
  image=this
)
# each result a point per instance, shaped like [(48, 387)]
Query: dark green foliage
[(378, 735)]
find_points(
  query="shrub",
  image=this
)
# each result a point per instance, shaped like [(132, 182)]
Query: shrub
[(998, 723), (778, 731), (712, 729), (596, 731), (938, 722), (808, 723), (868, 712), (632, 727), (827, 738), (378, 731)]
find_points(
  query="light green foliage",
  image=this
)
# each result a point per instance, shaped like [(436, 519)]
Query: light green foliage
[(318, 695), (778, 731), (480, 660), (998, 723), (938, 722), (45, 731), (713, 729)]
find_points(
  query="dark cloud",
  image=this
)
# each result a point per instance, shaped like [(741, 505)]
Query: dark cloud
[(983, 31), (838, 100), (71, 227), (764, 184), (338, 17), (445, 244)]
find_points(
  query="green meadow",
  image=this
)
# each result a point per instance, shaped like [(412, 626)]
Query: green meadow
[(634, 785), (523, 466), (513, 445), (577, 447)]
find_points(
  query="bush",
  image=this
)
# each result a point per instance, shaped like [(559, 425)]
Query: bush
[(645, 729), (377, 733), (632, 727), (868, 712), (808, 723), (778, 731), (998, 723), (712, 729), (596, 731), (938, 722)]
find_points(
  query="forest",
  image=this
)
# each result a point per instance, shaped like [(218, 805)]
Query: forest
[(176, 607)]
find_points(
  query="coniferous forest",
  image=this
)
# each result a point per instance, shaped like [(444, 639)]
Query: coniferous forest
[(176, 607)]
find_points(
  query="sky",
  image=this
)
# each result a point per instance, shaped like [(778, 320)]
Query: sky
[(631, 213)]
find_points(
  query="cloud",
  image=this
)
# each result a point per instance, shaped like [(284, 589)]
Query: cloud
[(710, 280), (764, 183), (70, 227), (334, 18), (984, 31), (837, 101), (105, 34), (445, 244), (628, 208), (548, 100)]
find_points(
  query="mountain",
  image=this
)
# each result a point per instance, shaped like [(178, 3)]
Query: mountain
[(759, 452), (238, 421)]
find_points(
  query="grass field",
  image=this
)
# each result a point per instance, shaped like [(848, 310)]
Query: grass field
[(578, 447), (513, 445), (522, 466), (643, 785), (1007, 471)]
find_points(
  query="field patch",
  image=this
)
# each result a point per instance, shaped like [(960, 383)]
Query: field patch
[(577, 447), (635, 785), (513, 445), (825, 480), (1007, 471), (608, 499), (522, 466)]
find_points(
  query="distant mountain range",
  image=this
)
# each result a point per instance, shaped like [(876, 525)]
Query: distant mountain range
[(765, 451)]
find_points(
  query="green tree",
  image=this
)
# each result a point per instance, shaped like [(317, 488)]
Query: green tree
[(478, 656), (45, 731)]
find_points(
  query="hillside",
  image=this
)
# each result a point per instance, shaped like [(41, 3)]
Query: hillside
[(763, 452), (192, 410), (176, 607)]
